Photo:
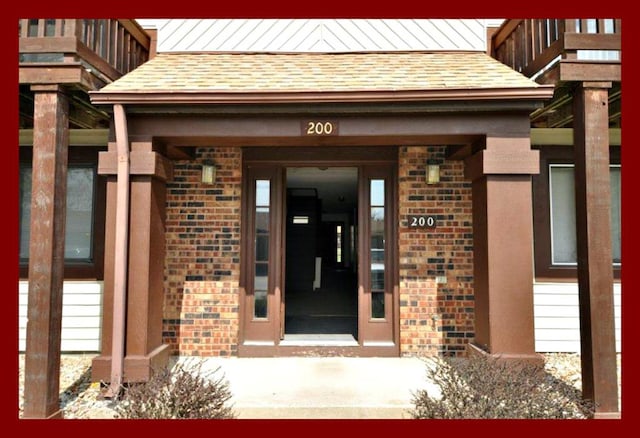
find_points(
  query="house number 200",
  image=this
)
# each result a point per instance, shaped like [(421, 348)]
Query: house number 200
[(422, 221), (320, 128)]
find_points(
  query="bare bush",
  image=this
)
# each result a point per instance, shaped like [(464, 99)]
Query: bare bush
[(184, 391), (485, 387)]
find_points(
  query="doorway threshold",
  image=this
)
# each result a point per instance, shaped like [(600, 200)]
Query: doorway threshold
[(319, 340)]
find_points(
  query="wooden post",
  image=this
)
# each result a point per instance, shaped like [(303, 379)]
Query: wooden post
[(145, 285), (503, 248), (101, 365), (146, 277), (593, 225), (153, 43), (46, 253)]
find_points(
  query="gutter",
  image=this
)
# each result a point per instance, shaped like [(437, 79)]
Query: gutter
[(191, 97), (120, 264)]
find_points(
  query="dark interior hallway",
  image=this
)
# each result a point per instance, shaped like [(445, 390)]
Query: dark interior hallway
[(320, 288), (331, 309)]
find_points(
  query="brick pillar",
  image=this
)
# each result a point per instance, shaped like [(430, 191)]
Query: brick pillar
[(46, 253), (503, 247), (145, 287), (595, 271)]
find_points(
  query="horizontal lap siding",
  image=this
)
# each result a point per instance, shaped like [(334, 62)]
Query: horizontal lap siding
[(557, 320), (81, 315)]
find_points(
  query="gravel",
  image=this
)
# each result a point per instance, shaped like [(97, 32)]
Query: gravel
[(80, 398)]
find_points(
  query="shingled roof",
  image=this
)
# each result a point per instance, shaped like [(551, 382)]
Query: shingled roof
[(173, 77)]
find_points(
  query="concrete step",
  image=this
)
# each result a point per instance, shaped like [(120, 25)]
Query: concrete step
[(317, 413), (321, 387)]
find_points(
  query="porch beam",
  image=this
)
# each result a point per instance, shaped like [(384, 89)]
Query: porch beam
[(539, 137), (62, 73), (564, 136), (458, 128), (577, 70), (77, 137)]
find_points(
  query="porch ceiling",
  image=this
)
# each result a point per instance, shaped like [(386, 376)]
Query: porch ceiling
[(558, 112), (82, 115)]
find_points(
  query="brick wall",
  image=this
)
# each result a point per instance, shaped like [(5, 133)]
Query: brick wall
[(202, 267), (435, 317), (203, 256)]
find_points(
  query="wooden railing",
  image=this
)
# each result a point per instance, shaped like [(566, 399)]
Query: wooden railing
[(112, 47), (528, 46)]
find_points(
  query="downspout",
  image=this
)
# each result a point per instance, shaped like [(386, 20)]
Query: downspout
[(121, 244)]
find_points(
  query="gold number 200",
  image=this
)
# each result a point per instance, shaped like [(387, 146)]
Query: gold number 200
[(319, 128)]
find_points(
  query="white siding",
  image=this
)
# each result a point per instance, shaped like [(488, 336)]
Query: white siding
[(557, 323), (557, 320), (318, 35), (81, 315)]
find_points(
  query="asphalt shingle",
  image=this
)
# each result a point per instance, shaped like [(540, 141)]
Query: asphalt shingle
[(318, 72)]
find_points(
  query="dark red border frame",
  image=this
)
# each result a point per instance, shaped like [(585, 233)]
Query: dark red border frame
[(325, 9)]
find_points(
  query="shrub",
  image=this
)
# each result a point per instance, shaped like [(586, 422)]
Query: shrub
[(485, 387), (184, 391)]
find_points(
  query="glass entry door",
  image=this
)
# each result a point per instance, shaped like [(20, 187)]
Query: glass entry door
[(265, 262)]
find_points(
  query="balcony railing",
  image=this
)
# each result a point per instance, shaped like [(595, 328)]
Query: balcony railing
[(109, 47), (530, 46)]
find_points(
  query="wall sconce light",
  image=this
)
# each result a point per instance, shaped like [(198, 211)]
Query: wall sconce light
[(433, 173), (208, 172)]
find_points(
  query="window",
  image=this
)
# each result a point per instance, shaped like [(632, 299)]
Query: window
[(338, 243), (554, 214), (262, 235), (85, 221), (80, 210), (377, 239), (563, 214)]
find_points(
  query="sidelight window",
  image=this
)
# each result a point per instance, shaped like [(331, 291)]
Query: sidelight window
[(377, 256), (261, 260)]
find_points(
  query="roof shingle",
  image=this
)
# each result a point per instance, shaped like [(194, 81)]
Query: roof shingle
[(317, 72)]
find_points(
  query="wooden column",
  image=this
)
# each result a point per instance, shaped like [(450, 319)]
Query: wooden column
[(503, 247), (145, 287), (595, 270), (46, 253), (101, 364)]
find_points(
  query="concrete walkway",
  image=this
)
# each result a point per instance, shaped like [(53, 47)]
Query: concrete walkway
[(322, 387)]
